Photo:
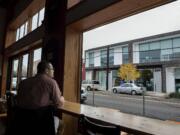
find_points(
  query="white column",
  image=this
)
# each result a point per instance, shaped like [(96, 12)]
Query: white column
[(135, 52), (170, 80), (97, 58), (118, 56)]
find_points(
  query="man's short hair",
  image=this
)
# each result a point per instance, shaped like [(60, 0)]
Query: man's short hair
[(42, 66)]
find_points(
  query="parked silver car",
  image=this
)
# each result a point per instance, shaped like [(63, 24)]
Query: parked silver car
[(129, 88)]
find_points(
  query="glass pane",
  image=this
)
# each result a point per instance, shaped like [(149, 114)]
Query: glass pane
[(144, 56), (166, 44), (17, 34), (26, 27), (154, 46), (34, 21), (36, 60), (166, 55), (103, 57), (176, 43), (154, 55), (21, 31), (143, 47), (111, 56), (14, 74), (41, 16), (24, 67), (125, 55), (91, 59)]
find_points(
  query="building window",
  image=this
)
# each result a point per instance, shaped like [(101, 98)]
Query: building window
[(163, 50), (21, 31), (125, 55), (36, 59), (24, 69), (103, 58), (111, 56), (166, 50), (21, 69), (91, 59), (14, 74), (176, 48), (37, 19)]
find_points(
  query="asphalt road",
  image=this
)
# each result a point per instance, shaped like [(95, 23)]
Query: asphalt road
[(158, 109)]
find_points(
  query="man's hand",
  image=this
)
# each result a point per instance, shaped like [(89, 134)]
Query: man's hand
[(62, 100)]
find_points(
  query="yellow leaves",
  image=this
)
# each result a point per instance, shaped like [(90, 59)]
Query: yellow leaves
[(128, 72)]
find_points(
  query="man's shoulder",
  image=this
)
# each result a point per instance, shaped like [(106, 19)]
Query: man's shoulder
[(48, 79)]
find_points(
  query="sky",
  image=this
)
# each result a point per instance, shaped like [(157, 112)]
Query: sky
[(159, 20)]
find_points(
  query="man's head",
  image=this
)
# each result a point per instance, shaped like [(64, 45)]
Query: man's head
[(45, 68)]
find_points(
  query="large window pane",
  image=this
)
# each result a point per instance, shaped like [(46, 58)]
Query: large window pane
[(176, 43), (21, 31), (36, 59), (144, 56), (26, 28), (24, 66), (125, 55), (143, 47), (34, 22), (17, 34), (166, 44), (154, 55), (166, 54), (14, 74), (154, 46), (103, 57), (111, 56), (41, 17), (91, 59)]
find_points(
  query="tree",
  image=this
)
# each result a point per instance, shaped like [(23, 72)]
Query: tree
[(128, 72)]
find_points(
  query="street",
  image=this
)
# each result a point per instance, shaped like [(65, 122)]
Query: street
[(158, 109)]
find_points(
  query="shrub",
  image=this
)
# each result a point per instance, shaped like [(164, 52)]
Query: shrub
[(174, 95)]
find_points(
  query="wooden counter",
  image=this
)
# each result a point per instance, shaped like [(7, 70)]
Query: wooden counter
[(127, 122)]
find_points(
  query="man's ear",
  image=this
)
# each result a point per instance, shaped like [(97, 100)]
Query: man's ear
[(46, 71)]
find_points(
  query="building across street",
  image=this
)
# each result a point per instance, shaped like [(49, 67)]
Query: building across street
[(156, 57)]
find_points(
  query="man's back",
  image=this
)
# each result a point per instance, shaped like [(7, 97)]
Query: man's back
[(37, 92)]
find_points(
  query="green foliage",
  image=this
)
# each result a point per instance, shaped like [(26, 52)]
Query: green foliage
[(174, 95)]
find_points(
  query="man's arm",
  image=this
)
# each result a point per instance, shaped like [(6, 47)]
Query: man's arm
[(57, 99)]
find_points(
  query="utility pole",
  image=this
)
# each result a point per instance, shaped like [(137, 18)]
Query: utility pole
[(107, 69)]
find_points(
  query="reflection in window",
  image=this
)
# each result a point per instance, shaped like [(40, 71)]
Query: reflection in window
[(14, 74), (36, 59), (24, 66)]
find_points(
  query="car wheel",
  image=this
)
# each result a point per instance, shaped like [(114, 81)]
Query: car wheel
[(114, 90), (88, 88), (133, 92)]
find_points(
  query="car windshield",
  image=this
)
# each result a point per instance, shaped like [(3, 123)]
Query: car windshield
[(95, 82)]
